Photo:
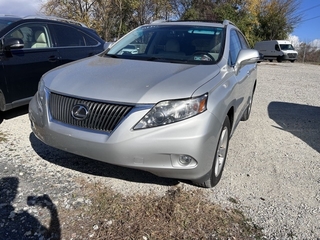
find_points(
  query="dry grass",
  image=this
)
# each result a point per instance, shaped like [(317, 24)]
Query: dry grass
[(179, 214)]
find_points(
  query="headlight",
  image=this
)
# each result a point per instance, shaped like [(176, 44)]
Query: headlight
[(167, 112)]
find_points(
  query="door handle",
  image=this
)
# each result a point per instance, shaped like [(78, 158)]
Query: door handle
[(53, 59)]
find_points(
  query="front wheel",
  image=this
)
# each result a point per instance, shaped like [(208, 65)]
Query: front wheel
[(219, 158)]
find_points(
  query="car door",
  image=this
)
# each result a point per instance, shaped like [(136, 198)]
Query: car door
[(24, 67), (249, 68), (72, 43), (242, 82)]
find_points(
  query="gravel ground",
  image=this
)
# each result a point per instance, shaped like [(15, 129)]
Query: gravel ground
[(272, 171)]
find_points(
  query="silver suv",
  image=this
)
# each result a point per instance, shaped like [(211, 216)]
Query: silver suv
[(169, 107)]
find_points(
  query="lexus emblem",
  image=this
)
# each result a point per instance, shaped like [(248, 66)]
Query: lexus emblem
[(79, 112)]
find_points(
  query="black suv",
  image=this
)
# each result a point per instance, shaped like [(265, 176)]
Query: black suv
[(31, 46)]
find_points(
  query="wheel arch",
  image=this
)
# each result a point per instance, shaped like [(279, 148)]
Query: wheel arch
[(254, 86), (230, 115)]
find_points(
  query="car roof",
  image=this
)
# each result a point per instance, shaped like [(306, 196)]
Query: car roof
[(10, 17), (14, 18), (54, 18), (13, 21)]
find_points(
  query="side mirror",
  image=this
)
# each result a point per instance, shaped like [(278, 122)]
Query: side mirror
[(261, 57), (13, 43), (245, 57)]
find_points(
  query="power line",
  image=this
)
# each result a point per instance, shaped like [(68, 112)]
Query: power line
[(309, 19), (308, 9), (302, 11)]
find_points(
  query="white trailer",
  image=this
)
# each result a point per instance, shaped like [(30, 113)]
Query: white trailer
[(279, 50)]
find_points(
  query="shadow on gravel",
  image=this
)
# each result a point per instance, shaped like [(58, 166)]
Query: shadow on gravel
[(16, 112), (302, 121), (21, 224), (94, 167)]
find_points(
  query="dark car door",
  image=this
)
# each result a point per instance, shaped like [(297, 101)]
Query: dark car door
[(74, 44), (24, 67)]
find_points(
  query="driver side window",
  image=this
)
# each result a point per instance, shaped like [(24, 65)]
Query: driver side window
[(33, 35)]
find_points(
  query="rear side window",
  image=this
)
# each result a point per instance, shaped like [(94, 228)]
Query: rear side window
[(70, 37)]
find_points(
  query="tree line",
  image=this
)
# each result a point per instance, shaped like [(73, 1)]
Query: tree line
[(257, 19), (308, 53)]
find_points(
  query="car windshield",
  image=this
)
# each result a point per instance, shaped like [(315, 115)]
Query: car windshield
[(286, 47), (174, 43), (4, 23)]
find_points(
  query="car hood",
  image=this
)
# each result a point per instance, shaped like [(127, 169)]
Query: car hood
[(289, 51), (128, 81)]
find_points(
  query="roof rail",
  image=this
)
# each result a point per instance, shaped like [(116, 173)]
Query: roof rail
[(196, 20), (55, 19), (227, 22), (224, 22), (8, 15), (159, 21)]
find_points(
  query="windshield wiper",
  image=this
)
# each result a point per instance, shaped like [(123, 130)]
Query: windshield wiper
[(162, 59), (111, 55)]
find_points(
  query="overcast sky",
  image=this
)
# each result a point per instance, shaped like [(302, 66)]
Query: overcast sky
[(20, 7)]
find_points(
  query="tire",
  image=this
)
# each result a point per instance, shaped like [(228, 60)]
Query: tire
[(292, 61), (270, 60), (279, 59), (247, 112), (219, 158), (2, 101)]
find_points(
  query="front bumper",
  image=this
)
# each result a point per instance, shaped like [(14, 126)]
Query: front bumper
[(290, 56), (155, 150)]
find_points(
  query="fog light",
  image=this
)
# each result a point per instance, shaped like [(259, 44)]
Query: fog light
[(185, 159)]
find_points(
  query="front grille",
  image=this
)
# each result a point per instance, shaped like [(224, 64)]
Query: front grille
[(292, 55), (101, 116)]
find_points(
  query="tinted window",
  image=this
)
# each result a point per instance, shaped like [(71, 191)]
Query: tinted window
[(68, 36), (90, 41), (4, 23), (235, 47)]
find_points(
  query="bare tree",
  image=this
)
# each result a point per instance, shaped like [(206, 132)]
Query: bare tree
[(258, 19)]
